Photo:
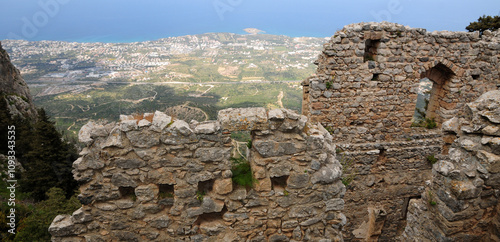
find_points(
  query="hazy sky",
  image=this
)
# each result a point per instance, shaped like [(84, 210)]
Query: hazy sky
[(127, 20)]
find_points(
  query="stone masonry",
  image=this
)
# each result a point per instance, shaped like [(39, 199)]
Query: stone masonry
[(153, 178), (461, 201), (365, 92)]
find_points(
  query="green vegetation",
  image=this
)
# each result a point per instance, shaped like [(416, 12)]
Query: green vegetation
[(286, 193), (348, 171), (428, 123), (46, 187), (200, 195), (484, 23), (431, 159), (33, 220), (163, 195), (431, 199), (249, 143), (242, 172)]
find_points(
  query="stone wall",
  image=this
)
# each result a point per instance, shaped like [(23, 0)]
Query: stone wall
[(153, 178), (365, 92), (461, 201)]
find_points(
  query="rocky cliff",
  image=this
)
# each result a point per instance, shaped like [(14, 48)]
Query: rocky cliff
[(14, 89)]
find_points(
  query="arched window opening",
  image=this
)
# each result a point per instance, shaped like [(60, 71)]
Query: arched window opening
[(432, 96)]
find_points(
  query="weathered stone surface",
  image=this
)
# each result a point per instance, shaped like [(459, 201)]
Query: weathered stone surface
[(212, 154), (328, 174), (209, 127), (223, 186), (146, 193), (161, 120), (160, 222), (123, 180), (62, 226), (143, 138), (181, 127), (243, 119)]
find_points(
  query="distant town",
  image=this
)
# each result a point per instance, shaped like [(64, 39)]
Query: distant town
[(189, 76)]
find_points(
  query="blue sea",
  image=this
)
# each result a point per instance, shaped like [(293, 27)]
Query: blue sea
[(132, 21)]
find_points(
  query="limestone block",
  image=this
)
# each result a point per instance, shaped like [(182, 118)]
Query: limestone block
[(451, 125), (85, 131), (128, 125), (180, 127), (127, 163), (298, 180), (160, 222), (327, 174), (209, 127), (123, 180), (161, 176), (79, 216), (223, 186), (263, 185), (115, 139), (143, 138), (62, 225), (234, 119), (464, 189), (215, 154), (212, 228), (443, 167), (335, 204), (210, 205), (276, 114), (161, 120), (143, 123), (146, 193), (270, 148)]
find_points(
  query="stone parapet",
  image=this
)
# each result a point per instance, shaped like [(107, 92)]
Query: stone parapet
[(151, 177)]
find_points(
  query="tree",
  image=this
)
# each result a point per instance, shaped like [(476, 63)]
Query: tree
[(35, 226), (484, 23), (48, 162)]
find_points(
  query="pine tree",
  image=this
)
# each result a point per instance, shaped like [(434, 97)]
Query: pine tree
[(484, 23), (48, 162)]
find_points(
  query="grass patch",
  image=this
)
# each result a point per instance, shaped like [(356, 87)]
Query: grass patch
[(242, 172)]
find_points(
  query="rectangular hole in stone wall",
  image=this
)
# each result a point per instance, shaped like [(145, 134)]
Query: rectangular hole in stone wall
[(166, 194), (242, 141), (279, 183), (475, 77), (127, 192), (204, 187), (371, 46), (211, 217)]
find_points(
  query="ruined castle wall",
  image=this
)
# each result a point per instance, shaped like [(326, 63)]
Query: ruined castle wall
[(461, 202), (153, 178), (365, 93)]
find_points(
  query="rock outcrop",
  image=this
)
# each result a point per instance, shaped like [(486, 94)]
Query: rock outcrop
[(14, 89), (154, 178), (461, 201)]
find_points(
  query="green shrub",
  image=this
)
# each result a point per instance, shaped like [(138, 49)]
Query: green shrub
[(430, 123), (431, 159), (249, 144), (242, 173), (200, 195)]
